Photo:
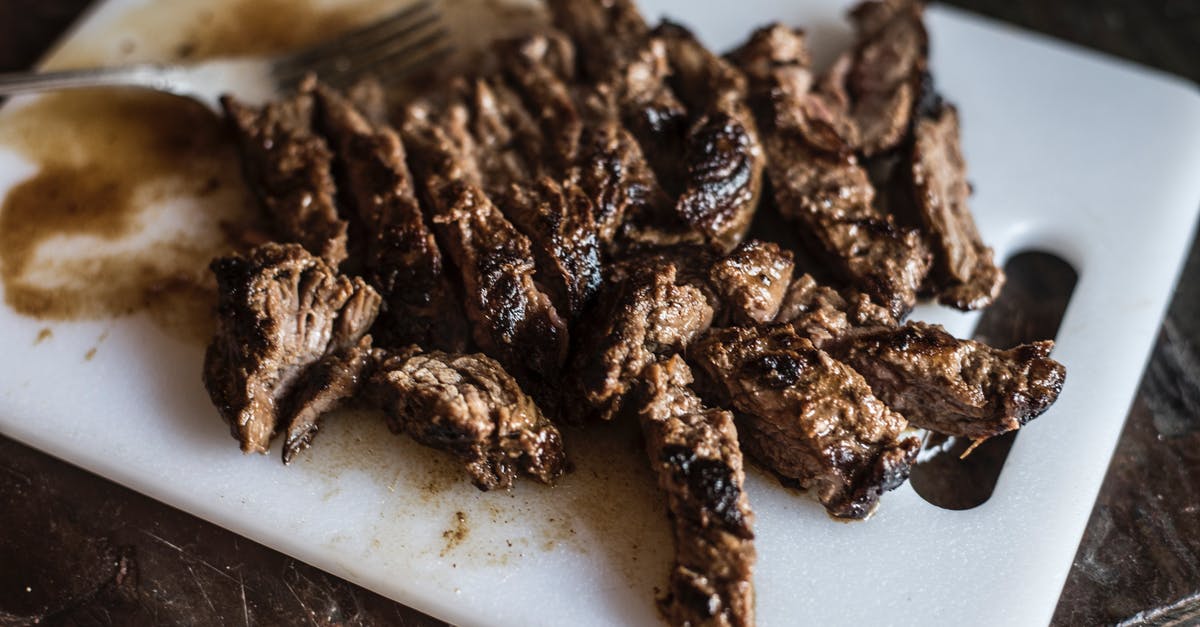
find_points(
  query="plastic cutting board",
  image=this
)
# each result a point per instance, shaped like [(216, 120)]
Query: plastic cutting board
[(1071, 153)]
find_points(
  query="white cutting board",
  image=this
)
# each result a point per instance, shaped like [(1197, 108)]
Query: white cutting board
[(1092, 159)]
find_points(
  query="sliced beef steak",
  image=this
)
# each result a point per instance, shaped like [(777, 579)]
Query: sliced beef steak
[(637, 320), (694, 452), (512, 319), (403, 261), (469, 406), (889, 64), (818, 182), (955, 387), (751, 282), (824, 315), (279, 311), (559, 220), (722, 154), (328, 384), (808, 417), (964, 274), (288, 165)]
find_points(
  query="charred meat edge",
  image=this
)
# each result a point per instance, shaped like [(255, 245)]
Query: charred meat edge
[(694, 453), (647, 315), (955, 387), (808, 417), (403, 261), (288, 165), (817, 180)]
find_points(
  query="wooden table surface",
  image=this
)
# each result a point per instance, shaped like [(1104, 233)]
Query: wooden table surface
[(78, 549)]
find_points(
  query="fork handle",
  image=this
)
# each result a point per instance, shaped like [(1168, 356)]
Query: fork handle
[(149, 76)]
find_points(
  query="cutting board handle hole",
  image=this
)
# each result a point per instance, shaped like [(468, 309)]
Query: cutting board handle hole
[(1030, 308)]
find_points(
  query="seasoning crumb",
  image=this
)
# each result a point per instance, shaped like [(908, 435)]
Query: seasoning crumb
[(43, 335)]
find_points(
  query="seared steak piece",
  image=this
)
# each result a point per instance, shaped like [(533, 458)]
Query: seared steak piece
[(630, 69), (467, 405), (648, 315), (540, 67), (808, 417), (823, 315), (512, 320), (723, 155), (818, 182), (613, 172), (287, 164), (694, 452), (560, 222), (751, 282), (884, 82), (324, 387), (279, 311), (509, 147), (402, 261), (955, 387), (964, 275)]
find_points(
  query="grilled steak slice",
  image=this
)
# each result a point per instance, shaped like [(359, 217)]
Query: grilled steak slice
[(559, 221), (751, 282), (824, 315), (512, 320), (808, 417), (279, 310), (884, 80), (402, 261), (613, 172), (287, 164), (540, 67), (324, 387), (955, 387), (467, 405), (723, 156), (694, 452), (630, 68), (818, 182), (964, 274), (648, 315), (509, 147)]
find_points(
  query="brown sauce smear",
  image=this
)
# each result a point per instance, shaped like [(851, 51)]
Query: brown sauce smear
[(108, 160)]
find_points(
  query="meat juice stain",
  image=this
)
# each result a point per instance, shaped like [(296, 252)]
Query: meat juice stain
[(43, 335), (104, 157), (456, 533)]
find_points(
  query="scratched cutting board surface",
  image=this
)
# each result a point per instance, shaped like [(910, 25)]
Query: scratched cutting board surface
[(1069, 153)]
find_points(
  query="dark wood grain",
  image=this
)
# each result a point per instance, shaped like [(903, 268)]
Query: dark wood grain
[(78, 549)]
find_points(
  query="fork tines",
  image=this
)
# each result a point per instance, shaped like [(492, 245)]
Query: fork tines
[(390, 47)]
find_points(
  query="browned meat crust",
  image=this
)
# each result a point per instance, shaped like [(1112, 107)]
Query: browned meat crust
[(287, 164), (818, 182), (402, 260), (723, 156), (467, 405), (325, 386), (648, 315), (808, 417), (560, 222), (512, 320), (694, 452), (279, 310), (955, 387), (964, 274), (541, 67)]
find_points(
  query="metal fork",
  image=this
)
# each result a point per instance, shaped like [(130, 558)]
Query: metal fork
[(390, 48)]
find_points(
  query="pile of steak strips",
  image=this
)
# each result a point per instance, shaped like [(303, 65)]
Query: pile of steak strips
[(561, 238)]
